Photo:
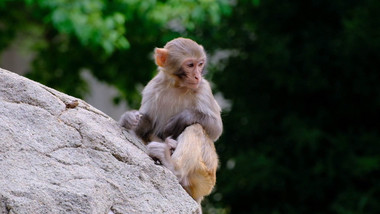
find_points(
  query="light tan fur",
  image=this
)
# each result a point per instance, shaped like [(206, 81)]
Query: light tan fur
[(196, 160)]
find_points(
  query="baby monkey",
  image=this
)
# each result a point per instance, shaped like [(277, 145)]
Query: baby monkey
[(179, 118)]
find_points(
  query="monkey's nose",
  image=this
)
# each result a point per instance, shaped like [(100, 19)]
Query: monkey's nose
[(197, 75)]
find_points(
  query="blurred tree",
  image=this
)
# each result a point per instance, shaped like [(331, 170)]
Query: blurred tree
[(111, 39)]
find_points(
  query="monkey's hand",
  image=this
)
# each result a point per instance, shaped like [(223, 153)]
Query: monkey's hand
[(130, 119), (179, 122)]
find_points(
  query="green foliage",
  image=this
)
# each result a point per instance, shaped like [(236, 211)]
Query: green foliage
[(87, 20), (111, 39), (302, 134)]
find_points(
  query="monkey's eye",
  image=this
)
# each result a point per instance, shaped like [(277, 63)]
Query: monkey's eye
[(190, 65), (201, 64)]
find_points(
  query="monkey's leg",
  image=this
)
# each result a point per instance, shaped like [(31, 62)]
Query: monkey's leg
[(196, 161)]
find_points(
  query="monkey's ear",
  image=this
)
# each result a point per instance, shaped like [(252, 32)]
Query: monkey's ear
[(160, 55)]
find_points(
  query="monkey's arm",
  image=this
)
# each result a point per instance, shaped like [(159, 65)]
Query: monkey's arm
[(145, 128), (213, 125)]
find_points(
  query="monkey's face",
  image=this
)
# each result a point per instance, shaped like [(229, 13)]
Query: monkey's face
[(191, 72)]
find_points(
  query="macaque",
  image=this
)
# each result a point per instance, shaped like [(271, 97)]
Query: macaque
[(179, 118)]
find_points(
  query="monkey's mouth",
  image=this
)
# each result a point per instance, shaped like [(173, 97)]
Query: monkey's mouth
[(193, 85)]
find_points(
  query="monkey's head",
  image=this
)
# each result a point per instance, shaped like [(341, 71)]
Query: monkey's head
[(183, 60)]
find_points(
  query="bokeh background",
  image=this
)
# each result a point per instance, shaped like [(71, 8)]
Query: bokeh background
[(299, 82)]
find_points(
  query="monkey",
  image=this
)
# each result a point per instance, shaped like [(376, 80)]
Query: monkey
[(179, 117), (189, 98)]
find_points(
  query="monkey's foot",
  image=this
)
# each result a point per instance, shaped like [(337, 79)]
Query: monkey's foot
[(172, 144), (160, 151)]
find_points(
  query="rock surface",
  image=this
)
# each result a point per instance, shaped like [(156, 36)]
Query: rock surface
[(59, 157)]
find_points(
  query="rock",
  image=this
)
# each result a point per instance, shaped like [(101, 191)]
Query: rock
[(60, 155)]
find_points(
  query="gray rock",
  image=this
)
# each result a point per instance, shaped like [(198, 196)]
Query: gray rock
[(56, 158)]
